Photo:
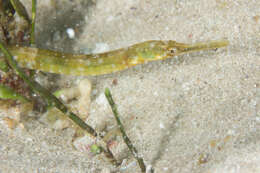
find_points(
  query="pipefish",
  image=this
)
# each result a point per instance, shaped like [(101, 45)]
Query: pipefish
[(108, 62)]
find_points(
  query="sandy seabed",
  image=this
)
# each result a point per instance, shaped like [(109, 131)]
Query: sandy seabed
[(196, 113)]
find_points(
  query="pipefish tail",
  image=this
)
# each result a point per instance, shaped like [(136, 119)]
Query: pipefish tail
[(108, 62)]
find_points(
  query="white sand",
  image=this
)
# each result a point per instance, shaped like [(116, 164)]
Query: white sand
[(198, 113)]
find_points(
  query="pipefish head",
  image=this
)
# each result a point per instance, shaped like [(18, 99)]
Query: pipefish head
[(153, 50)]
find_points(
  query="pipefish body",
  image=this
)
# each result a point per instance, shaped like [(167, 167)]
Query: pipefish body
[(108, 62)]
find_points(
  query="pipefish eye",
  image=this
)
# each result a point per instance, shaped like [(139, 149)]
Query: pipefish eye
[(172, 50)]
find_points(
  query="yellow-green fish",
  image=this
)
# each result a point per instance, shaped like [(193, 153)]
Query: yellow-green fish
[(104, 63)]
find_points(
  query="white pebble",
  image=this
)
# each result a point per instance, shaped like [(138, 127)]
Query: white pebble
[(149, 169), (161, 125), (70, 32)]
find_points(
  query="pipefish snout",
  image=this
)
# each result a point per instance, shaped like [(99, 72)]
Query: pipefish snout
[(108, 62)]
